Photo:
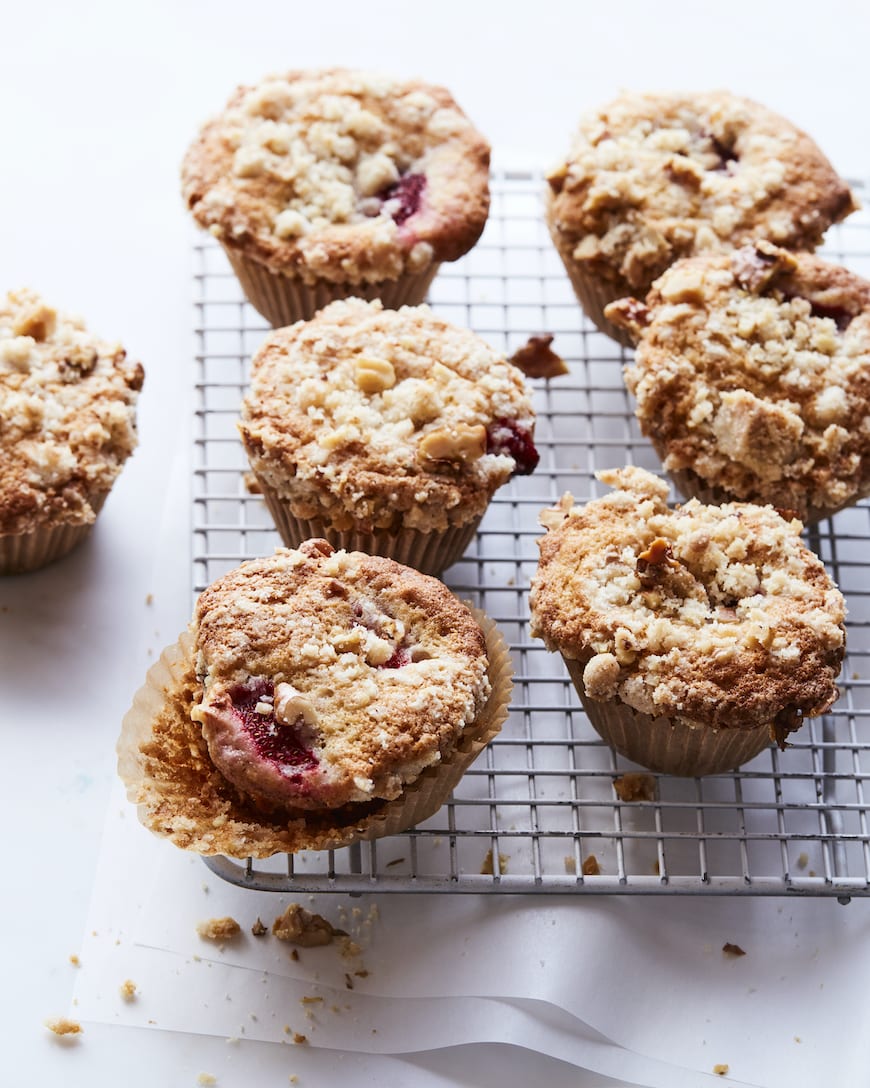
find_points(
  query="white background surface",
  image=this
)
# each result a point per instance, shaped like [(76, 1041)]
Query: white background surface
[(97, 103)]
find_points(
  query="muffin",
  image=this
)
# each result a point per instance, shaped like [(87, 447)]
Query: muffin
[(319, 697), (752, 378), (67, 425), (324, 184), (384, 430), (651, 178), (694, 635)]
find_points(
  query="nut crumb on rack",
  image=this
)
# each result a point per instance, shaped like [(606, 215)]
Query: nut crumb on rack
[(803, 860), (127, 989), (570, 863), (488, 866), (218, 929), (300, 927), (62, 1025), (299, 1038), (536, 359), (634, 786), (590, 866), (733, 950)]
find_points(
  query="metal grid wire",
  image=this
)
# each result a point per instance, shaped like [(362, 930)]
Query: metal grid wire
[(540, 800)]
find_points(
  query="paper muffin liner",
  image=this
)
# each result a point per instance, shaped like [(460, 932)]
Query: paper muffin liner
[(429, 553), (693, 486), (164, 763), (283, 299), (665, 744), (21, 553), (594, 295)]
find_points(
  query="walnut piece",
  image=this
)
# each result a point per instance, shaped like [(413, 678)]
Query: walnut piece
[(462, 443), (634, 786), (536, 359)]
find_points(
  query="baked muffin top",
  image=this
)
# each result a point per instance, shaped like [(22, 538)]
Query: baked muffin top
[(717, 616), (650, 178), (385, 418), (67, 420), (753, 369), (333, 677), (340, 175)]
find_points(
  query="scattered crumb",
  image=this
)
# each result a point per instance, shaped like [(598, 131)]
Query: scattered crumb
[(310, 1000), (570, 863), (258, 929), (721, 1070), (362, 973), (812, 872), (798, 1039), (218, 929), (487, 868), (634, 786), (536, 359), (300, 927), (299, 1038), (856, 675), (349, 947), (803, 860), (294, 955), (348, 981), (149, 598), (61, 1025), (294, 1079), (657, 868), (395, 861), (732, 949), (75, 961), (127, 990), (590, 866), (206, 1078)]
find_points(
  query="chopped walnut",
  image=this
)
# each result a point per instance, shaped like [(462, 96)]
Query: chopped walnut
[(756, 266), (734, 950), (298, 1038), (300, 927), (258, 929), (536, 359), (218, 929), (590, 866), (634, 786)]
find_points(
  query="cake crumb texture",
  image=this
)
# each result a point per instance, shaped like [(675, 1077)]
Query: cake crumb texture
[(218, 929)]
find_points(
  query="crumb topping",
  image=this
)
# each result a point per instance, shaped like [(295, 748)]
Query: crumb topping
[(385, 418), (650, 178), (66, 415), (341, 175), (753, 370), (389, 665), (737, 627)]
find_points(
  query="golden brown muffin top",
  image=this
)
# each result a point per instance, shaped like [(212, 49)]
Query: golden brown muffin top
[(340, 175), (753, 370), (385, 418), (67, 421), (718, 616), (650, 178), (332, 678)]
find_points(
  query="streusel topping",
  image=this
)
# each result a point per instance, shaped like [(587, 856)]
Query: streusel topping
[(753, 370), (67, 419), (383, 418), (654, 177), (341, 175), (333, 677), (717, 616)]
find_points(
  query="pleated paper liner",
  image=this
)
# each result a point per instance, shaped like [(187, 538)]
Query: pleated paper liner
[(283, 299), (24, 552), (664, 744), (429, 553), (164, 763)]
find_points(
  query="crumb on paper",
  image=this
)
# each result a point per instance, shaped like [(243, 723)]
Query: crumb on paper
[(734, 950), (570, 863), (62, 1025), (294, 1079), (206, 1078), (149, 599), (74, 960), (349, 948), (803, 860), (362, 973), (798, 1039), (634, 786), (536, 359), (258, 929), (299, 1038), (488, 869), (590, 866), (218, 929), (721, 1069), (300, 927), (310, 999), (127, 989)]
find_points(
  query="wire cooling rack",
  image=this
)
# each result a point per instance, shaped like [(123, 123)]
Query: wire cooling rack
[(539, 812)]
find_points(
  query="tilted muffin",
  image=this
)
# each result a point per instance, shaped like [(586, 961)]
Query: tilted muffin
[(651, 178), (752, 378), (324, 184), (384, 430), (67, 425), (319, 697), (694, 635)]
